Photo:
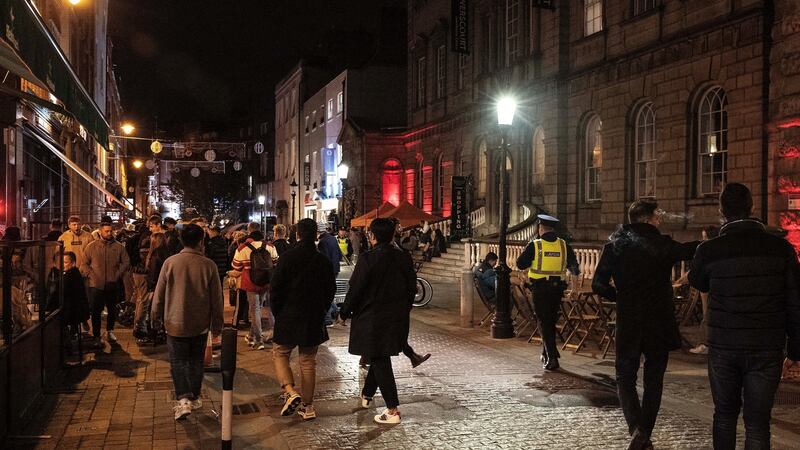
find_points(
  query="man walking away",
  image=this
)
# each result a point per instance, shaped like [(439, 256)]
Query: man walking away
[(640, 259), (188, 298), (55, 231), (217, 251), (329, 246), (547, 259), (104, 263), (280, 243), (345, 246), (379, 300), (302, 289), (255, 286), (173, 239), (751, 278)]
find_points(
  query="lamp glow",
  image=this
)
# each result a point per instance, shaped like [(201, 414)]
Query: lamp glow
[(137, 163), (74, 2), (343, 171), (262, 200), (128, 128), (506, 107)]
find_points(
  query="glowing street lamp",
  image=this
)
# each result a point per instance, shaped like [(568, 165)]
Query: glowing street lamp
[(127, 128), (506, 107), (137, 163), (74, 2), (262, 200)]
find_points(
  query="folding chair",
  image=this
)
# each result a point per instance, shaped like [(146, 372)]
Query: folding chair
[(489, 306), (584, 320)]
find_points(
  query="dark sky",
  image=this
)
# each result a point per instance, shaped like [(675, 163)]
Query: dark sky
[(204, 60)]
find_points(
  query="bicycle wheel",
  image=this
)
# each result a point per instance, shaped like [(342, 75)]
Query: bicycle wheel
[(424, 292)]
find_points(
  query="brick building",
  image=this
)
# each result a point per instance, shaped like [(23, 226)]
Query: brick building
[(662, 99)]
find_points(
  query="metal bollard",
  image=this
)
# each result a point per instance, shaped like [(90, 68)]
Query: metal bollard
[(228, 369)]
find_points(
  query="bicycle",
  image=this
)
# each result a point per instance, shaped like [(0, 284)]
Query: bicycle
[(424, 289)]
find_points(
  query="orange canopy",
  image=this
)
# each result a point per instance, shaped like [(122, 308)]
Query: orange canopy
[(365, 219), (410, 215)]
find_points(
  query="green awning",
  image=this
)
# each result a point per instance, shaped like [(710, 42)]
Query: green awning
[(25, 33)]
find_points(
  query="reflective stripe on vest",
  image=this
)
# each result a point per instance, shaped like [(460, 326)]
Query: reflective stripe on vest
[(551, 259), (342, 245)]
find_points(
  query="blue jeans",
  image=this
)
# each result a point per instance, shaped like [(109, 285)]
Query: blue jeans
[(330, 317), (255, 302), (641, 415), (750, 375), (186, 364)]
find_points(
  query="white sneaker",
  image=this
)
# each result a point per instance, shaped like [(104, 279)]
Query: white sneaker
[(700, 349), (291, 403), (307, 412), (182, 409), (110, 336), (387, 418), (196, 404)]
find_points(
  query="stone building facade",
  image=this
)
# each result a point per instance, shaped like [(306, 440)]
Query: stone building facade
[(661, 99)]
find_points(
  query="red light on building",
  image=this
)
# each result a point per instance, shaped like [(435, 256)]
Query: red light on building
[(788, 186), (790, 123), (788, 151)]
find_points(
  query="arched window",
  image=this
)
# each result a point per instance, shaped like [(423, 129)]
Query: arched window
[(712, 142), (593, 151), (439, 184), (645, 142), (419, 187), (391, 174), (537, 158), (483, 169)]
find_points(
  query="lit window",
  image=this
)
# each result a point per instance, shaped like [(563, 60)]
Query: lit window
[(482, 170), (713, 142), (307, 124), (330, 109), (593, 16), (421, 82), (512, 31), (645, 141), (340, 102), (441, 73), (594, 159), (643, 6), (462, 71), (538, 158)]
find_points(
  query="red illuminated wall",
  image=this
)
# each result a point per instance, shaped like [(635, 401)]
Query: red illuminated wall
[(391, 183)]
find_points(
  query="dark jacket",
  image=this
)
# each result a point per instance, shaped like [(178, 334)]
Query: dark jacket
[(53, 236), (154, 265), (281, 246), (487, 278), (329, 246), (174, 244), (76, 304), (640, 259), (217, 251), (528, 255), (382, 290), (143, 248), (303, 286), (751, 277)]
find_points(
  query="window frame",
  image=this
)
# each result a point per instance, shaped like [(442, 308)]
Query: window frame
[(340, 102), (592, 189), (441, 71), (537, 155), (644, 142), (512, 31), (592, 24), (639, 7), (483, 169), (330, 109), (421, 81), (461, 75), (703, 141)]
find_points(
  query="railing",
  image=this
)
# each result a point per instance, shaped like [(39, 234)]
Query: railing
[(477, 218)]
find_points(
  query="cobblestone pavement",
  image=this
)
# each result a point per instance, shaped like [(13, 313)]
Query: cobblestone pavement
[(472, 393)]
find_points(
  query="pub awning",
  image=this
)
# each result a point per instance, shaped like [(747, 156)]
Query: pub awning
[(30, 51)]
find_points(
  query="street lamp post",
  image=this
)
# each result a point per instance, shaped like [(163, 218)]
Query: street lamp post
[(502, 326), (262, 201), (343, 170), (294, 194)]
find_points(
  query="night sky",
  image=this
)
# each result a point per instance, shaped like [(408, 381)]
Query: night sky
[(215, 61)]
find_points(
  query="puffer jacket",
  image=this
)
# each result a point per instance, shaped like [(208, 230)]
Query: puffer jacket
[(752, 280), (104, 263)]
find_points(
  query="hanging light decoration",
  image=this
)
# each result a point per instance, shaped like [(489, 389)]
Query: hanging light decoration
[(156, 147), (237, 165), (195, 172), (210, 155)]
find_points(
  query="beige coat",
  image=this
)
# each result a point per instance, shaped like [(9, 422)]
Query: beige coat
[(188, 295), (76, 243), (104, 263)]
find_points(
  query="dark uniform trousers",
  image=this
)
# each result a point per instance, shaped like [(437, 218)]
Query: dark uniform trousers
[(547, 294)]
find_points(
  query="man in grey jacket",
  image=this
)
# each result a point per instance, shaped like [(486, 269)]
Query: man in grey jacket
[(104, 263), (188, 296)]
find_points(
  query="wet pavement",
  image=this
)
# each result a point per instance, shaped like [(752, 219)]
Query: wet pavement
[(473, 393)]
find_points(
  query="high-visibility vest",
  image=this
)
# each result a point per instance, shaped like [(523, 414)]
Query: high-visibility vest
[(342, 245), (551, 259)]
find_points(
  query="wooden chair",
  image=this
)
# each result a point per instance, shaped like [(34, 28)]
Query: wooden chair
[(524, 306), (583, 319), (489, 306), (610, 333)]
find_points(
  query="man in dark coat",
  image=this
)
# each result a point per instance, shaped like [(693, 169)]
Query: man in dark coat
[(640, 259), (379, 300), (329, 246), (303, 287), (753, 315), (217, 251)]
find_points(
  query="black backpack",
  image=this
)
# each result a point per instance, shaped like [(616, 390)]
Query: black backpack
[(260, 265)]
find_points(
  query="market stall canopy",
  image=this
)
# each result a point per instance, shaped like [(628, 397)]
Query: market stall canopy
[(409, 215), (365, 219), (30, 51)]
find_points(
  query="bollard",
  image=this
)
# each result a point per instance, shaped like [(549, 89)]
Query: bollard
[(228, 369), (467, 292)]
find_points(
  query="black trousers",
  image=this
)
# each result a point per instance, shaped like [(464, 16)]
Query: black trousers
[(547, 305), (381, 376), (641, 415), (103, 298)]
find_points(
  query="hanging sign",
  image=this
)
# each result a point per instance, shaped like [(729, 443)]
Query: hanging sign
[(459, 218), (307, 174), (460, 29)]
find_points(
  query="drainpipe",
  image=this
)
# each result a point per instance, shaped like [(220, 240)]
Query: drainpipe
[(769, 19)]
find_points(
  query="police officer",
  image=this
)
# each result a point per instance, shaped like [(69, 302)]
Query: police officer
[(344, 243), (547, 258)]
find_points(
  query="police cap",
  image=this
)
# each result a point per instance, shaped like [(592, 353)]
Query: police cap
[(548, 220)]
